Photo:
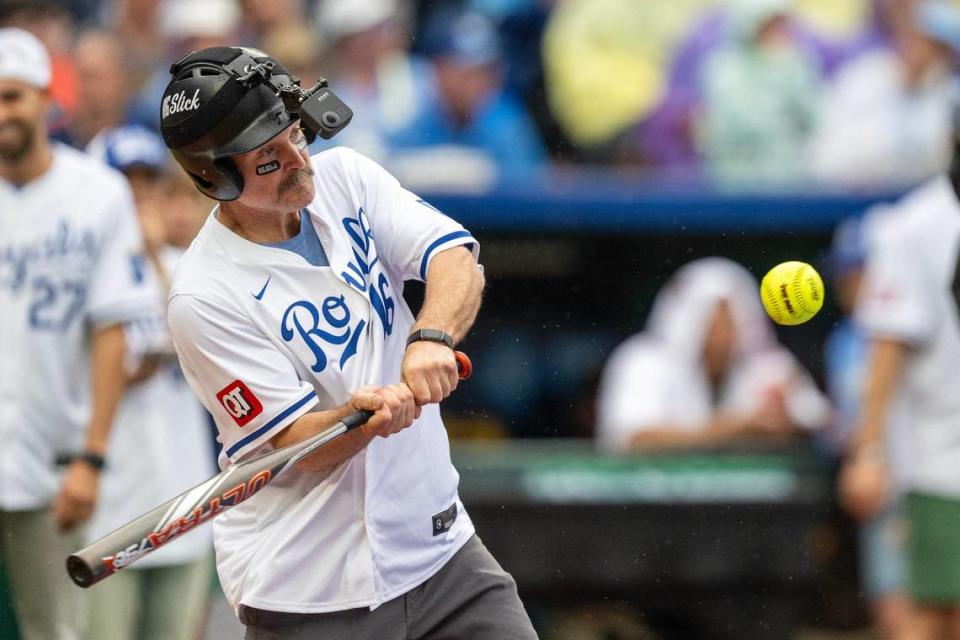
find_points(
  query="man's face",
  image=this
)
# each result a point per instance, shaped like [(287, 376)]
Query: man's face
[(277, 176), (22, 110)]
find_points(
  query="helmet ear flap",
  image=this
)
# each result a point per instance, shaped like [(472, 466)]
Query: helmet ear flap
[(232, 187), (228, 188)]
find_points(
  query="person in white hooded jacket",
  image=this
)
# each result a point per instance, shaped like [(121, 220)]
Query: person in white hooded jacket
[(708, 370)]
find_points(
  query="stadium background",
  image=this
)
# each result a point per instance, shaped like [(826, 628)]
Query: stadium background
[(575, 244)]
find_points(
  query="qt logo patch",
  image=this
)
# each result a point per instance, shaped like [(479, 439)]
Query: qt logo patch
[(237, 399)]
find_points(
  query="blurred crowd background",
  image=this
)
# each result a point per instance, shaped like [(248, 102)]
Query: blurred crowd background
[(627, 165), (744, 92)]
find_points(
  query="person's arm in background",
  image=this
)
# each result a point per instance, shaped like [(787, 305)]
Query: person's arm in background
[(770, 421), (718, 430), (78, 492), (117, 292), (454, 288), (865, 477)]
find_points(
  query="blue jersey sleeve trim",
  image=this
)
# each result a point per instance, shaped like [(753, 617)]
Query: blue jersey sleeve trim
[(463, 233), (280, 417)]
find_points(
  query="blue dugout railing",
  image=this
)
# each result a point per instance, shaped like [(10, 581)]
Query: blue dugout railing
[(603, 205)]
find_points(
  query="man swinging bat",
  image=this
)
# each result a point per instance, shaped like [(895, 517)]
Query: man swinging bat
[(287, 315)]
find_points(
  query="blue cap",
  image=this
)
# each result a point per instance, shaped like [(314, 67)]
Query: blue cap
[(131, 146), (848, 251), (464, 36), (939, 20)]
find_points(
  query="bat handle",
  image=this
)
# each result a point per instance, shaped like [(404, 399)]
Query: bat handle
[(464, 366)]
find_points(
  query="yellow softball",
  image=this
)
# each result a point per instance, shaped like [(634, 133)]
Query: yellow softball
[(792, 292)]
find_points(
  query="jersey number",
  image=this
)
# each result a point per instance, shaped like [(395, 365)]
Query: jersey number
[(55, 305)]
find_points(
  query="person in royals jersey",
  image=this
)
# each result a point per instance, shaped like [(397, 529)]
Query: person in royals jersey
[(287, 314), (908, 306), (71, 273)]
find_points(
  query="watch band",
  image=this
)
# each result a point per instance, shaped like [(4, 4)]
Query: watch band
[(95, 460), (430, 335)]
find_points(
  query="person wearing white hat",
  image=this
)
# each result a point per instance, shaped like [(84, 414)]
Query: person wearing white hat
[(70, 274)]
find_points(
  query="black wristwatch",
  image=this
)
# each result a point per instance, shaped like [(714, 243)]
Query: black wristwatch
[(95, 460), (430, 335)]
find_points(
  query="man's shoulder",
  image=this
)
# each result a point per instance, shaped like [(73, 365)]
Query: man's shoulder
[(335, 157), (202, 271), (342, 162)]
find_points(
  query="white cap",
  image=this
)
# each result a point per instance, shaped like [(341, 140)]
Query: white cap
[(341, 18), (23, 57)]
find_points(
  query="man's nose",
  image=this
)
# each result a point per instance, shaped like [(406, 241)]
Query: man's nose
[(291, 157)]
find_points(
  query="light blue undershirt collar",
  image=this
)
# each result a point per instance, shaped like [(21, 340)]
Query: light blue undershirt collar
[(305, 244)]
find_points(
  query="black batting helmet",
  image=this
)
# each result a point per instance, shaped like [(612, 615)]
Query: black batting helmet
[(221, 102)]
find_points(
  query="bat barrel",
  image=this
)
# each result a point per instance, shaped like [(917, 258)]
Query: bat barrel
[(193, 508)]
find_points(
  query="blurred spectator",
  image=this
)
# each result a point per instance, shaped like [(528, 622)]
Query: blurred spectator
[(909, 309), (760, 91), (263, 21), (372, 72), (185, 212), (666, 138), (70, 258), (887, 116), (468, 132), (521, 25), (883, 537), (604, 64), (136, 24), (706, 371), (187, 26), (159, 452), (103, 90), (48, 21), (299, 49)]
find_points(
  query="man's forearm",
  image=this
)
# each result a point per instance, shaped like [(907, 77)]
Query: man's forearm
[(107, 384), (454, 290), (327, 457), (885, 364)]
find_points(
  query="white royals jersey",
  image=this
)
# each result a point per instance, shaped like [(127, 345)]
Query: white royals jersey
[(70, 258), (264, 337), (911, 295)]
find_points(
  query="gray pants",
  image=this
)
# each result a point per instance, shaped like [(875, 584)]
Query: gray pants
[(470, 598)]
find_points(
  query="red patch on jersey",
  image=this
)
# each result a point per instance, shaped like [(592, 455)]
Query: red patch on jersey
[(238, 401)]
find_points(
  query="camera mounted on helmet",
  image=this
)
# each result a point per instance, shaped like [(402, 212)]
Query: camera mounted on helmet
[(225, 101), (320, 111)]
